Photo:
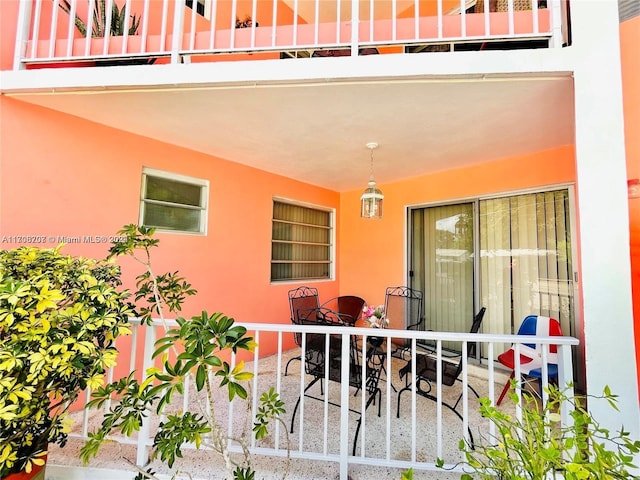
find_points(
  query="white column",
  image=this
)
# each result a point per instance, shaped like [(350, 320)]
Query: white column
[(603, 212)]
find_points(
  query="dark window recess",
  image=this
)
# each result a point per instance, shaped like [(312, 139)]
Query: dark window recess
[(199, 6)]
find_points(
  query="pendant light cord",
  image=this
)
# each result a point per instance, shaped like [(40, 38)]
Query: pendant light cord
[(371, 177), (372, 146)]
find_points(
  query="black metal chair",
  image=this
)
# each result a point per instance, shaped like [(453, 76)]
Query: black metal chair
[(316, 356), (348, 307), (427, 372), (405, 303), (305, 307)]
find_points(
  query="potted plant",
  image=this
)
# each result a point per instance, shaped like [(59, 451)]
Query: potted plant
[(198, 348), (59, 319), (537, 446), (117, 26), (247, 22)]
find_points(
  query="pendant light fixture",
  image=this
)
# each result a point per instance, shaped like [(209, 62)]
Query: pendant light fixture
[(371, 199)]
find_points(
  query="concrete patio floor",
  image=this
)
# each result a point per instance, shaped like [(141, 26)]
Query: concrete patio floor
[(201, 465)]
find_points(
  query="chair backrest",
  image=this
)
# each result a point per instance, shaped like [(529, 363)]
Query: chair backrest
[(471, 349), (404, 303), (502, 5), (475, 328), (427, 365), (302, 303), (350, 308), (541, 327)]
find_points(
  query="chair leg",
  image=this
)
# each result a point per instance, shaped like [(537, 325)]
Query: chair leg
[(387, 379), (399, 394), (286, 368), (293, 417), (295, 409), (372, 399), (505, 388), (428, 396), (355, 440), (381, 357)]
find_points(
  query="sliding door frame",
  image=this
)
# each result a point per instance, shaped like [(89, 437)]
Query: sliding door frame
[(477, 293)]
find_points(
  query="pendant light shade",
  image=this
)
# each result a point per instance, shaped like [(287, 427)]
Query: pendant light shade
[(372, 197)]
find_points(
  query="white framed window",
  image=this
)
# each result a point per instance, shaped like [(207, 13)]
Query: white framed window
[(172, 202), (203, 7), (302, 246)]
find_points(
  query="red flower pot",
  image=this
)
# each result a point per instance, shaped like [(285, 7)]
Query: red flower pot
[(37, 473)]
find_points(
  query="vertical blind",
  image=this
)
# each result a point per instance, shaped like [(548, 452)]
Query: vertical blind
[(443, 261), (301, 242), (525, 260)]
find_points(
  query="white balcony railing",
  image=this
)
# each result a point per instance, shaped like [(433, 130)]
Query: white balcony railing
[(169, 31), (415, 435)]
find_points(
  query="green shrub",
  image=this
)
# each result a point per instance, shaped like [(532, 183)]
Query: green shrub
[(59, 318), (539, 447), (196, 348)]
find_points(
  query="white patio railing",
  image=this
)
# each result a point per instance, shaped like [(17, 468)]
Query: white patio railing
[(422, 433), (170, 31)]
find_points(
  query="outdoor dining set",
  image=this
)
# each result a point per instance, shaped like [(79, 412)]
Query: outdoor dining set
[(322, 352)]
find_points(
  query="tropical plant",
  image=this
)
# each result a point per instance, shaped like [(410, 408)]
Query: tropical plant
[(195, 348), (247, 22), (59, 319), (407, 475), (375, 316), (117, 22), (539, 446)]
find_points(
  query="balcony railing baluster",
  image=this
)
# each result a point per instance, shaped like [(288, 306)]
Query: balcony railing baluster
[(48, 35)]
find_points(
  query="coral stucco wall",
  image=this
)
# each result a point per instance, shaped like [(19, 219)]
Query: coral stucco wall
[(8, 27), (77, 178), (629, 41), (374, 252)]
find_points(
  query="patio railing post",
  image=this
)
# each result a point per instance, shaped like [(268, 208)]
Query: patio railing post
[(142, 457), (565, 378), (344, 407)]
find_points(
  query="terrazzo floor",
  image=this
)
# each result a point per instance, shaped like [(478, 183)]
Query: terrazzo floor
[(111, 463)]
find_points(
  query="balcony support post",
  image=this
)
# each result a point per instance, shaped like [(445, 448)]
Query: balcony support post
[(178, 28), (557, 35), (22, 33), (355, 26)]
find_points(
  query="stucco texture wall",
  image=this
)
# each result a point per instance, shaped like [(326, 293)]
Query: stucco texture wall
[(61, 176), (374, 251), (629, 41), (8, 26)]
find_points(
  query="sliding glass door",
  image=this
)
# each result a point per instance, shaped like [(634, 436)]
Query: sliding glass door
[(511, 254), (442, 265), (525, 260)]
